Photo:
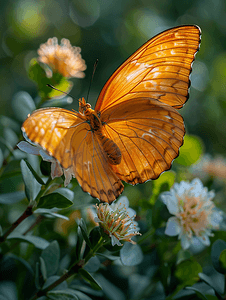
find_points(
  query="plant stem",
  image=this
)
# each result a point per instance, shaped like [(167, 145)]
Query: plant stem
[(73, 270), (43, 292), (28, 212), (43, 189), (93, 251)]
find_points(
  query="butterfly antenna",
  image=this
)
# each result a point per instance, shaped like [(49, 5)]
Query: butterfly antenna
[(94, 69), (52, 87)]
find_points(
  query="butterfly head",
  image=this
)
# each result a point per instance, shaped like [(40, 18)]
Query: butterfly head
[(83, 106)]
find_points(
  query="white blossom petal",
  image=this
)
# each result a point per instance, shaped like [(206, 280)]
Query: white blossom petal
[(173, 227), (185, 242)]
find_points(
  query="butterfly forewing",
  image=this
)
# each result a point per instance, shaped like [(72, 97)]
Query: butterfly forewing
[(160, 69), (148, 134), (52, 129), (67, 137)]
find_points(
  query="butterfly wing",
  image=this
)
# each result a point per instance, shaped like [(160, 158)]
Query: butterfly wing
[(67, 137), (159, 69), (92, 169), (148, 135)]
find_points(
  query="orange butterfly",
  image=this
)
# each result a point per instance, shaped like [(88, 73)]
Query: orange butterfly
[(135, 132)]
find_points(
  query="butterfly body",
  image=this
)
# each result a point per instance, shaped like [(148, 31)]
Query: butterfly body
[(135, 131)]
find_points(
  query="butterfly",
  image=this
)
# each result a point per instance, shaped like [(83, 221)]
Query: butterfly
[(135, 131)]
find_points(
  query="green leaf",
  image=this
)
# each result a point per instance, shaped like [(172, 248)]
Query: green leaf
[(222, 259), (212, 284), (218, 247), (32, 187), (92, 265), (94, 236), (22, 261), (1, 158), (50, 213), (82, 296), (37, 177), (89, 279), (190, 151), (187, 272), (66, 193), (10, 137), (43, 268), (79, 244), (198, 292), (38, 74), (45, 167), (38, 242), (22, 104), (108, 256), (8, 290), (62, 295), (131, 255), (51, 257), (11, 198), (84, 231), (10, 123), (54, 200)]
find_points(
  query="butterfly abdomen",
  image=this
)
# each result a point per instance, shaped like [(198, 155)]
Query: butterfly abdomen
[(112, 150)]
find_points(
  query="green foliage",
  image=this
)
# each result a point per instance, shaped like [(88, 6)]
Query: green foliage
[(51, 257), (191, 150), (218, 256), (187, 272), (131, 255), (54, 200), (11, 198), (23, 105), (38, 242), (32, 187), (38, 75), (89, 279)]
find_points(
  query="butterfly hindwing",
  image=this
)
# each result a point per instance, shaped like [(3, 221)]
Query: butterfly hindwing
[(92, 169), (148, 134)]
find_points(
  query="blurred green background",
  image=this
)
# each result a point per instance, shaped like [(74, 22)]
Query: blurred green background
[(110, 31)]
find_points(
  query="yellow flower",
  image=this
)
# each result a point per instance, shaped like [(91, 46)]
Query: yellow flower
[(62, 58), (117, 220)]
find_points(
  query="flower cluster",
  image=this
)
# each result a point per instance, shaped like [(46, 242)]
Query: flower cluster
[(194, 212), (117, 220), (210, 166), (62, 58)]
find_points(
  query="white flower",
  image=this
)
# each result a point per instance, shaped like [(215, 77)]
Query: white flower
[(117, 220), (209, 166), (195, 215), (56, 169)]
